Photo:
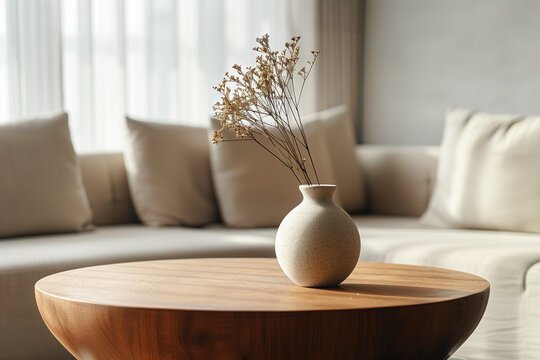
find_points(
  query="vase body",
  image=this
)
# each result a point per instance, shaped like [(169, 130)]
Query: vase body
[(317, 243)]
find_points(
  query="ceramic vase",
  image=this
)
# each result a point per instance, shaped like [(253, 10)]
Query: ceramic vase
[(317, 243)]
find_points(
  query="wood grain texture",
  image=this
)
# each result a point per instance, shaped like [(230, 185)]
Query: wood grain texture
[(248, 309)]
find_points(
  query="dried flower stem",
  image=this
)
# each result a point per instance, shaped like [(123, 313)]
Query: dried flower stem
[(263, 106)]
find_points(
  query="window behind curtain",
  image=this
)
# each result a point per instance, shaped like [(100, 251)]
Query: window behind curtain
[(100, 59)]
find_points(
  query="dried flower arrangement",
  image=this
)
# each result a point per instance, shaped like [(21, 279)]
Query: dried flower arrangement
[(263, 106)]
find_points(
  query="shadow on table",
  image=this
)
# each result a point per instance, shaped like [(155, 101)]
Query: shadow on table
[(398, 291)]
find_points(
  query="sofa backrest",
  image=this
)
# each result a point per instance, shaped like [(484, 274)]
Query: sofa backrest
[(399, 181), (105, 180)]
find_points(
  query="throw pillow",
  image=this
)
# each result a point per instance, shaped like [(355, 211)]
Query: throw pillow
[(168, 169), (41, 188), (489, 173), (253, 188), (346, 167)]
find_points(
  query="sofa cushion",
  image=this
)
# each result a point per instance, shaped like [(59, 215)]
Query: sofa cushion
[(489, 173), (168, 169), (253, 188), (398, 181), (350, 192), (41, 188)]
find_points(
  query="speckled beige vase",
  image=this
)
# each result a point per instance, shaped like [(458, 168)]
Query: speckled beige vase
[(317, 243)]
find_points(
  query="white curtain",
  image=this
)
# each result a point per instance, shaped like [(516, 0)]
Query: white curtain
[(151, 59), (30, 58)]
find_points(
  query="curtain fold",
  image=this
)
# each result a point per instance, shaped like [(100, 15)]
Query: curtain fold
[(31, 66)]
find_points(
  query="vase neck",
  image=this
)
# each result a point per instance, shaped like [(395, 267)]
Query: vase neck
[(319, 193)]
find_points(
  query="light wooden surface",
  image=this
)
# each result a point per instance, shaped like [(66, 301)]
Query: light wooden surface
[(248, 309)]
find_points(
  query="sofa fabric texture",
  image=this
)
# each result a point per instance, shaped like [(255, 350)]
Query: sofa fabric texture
[(489, 173), (253, 188), (41, 188), (168, 169)]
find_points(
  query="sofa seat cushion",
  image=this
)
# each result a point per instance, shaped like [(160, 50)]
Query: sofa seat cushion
[(503, 258), (130, 243)]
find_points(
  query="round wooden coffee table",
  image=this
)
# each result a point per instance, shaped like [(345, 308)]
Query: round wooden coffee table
[(247, 309)]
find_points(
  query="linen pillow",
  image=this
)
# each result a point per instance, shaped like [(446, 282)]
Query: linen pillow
[(168, 169), (347, 169), (253, 188), (41, 189), (489, 173)]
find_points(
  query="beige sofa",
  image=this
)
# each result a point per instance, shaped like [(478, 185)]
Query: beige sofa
[(399, 183)]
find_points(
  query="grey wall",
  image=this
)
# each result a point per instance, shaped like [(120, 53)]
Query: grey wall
[(422, 56)]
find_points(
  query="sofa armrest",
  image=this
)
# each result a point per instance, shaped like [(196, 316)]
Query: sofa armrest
[(399, 179), (531, 313)]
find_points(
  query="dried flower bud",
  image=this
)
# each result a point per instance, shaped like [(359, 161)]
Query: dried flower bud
[(217, 136)]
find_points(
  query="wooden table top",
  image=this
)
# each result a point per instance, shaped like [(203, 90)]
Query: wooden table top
[(254, 284)]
